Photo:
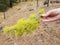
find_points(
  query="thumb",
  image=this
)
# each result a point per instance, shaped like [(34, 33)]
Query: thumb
[(44, 16), (47, 14)]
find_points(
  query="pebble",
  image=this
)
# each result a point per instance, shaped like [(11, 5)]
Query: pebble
[(31, 9)]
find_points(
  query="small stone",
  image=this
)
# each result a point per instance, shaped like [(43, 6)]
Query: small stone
[(48, 30), (39, 39), (58, 22), (31, 9), (19, 9)]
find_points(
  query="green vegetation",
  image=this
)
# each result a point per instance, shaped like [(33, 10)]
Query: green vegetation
[(24, 26), (5, 4)]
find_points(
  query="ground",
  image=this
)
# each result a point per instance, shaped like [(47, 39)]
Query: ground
[(47, 34)]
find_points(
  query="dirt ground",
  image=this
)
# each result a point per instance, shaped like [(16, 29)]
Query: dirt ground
[(47, 34)]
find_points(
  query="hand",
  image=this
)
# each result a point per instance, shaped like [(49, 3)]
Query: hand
[(51, 15)]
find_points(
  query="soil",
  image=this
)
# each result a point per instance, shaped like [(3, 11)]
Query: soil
[(48, 33)]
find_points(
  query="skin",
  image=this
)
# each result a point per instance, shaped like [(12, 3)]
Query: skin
[(51, 15)]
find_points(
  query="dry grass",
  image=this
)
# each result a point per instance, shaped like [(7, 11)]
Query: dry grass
[(47, 33)]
